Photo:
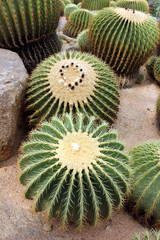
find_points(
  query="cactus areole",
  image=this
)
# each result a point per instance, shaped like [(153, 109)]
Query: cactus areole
[(75, 83), (123, 38), (75, 170)]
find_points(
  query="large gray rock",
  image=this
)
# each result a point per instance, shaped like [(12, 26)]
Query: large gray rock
[(13, 79)]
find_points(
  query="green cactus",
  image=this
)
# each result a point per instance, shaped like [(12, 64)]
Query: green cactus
[(144, 198), (158, 109), (82, 40), (153, 67), (156, 70), (72, 82), (79, 5), (69, 9), (141, 78), (123, 38), (26, 22), (151, 235), (139, 5), (95, 4), (77, 1), (150, 65), (75, 170), (78, 21), (112, 4)]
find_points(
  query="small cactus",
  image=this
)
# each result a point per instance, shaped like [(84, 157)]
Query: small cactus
[(77, 22), (75, 170), (112, 4), (95, 4), (158, 110), (144, 199), (26, 25), (141, 78), (150, 65), (69, 9), (157, 69), (139, 5), (82, 40), (123, 38), (72, 82), (153, 67)]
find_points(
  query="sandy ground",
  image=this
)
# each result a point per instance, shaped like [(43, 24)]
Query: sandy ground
[(136, 122)]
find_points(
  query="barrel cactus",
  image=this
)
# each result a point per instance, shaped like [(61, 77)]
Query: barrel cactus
[(123, 38), (78, 21), (82, 40), (26, 26), (144, 198), (150, 65), (95, 4), (140, 5), (75, 170), (153, 67), (69, 9), (72, 82)]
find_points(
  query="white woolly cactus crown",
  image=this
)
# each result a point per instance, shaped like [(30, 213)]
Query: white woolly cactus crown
[(77, 82), (75, 170)]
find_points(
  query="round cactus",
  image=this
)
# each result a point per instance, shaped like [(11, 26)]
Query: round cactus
[(158, 109), (141, 78), (25, 22), (75, 170), (123, 38), (144, 198), (78, 21), (69, 9), (95, 4), (82, 40), (150, 65), (157, 69), (72, 82), (140, 5), (112, 4)]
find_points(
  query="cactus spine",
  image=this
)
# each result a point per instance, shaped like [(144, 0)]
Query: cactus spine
[(158, 110), (139, 5), (78, 21), (25, 22), (153, 67), (144, 198), (116, 36), (72, 82), (75, 170), (95, 4), (152, 235)]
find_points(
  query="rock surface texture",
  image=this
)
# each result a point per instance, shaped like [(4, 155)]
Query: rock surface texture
[(13, 79)]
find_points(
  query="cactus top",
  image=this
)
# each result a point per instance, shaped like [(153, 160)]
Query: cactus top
[(77, 82), (140, 5), (131, 15)]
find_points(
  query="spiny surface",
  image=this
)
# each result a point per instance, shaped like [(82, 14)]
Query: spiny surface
[(144, 198), (69, 9), (152, 235), (75, 170), (95, 4), (123, 38), (78, 21), (140, 5), (76, 82), (158, 109), (28, 28), (22, 21)]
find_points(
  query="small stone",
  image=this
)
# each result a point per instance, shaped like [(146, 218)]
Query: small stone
[(47, 227)]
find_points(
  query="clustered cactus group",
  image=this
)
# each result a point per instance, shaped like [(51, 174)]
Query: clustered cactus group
[(73, 166)]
